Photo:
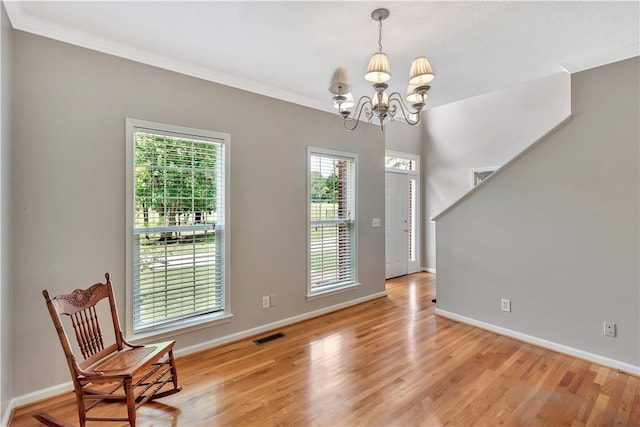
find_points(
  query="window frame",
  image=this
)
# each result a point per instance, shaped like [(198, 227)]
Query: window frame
[(338, 287), (192, 323)]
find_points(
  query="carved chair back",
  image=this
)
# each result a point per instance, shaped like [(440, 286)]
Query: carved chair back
[(80, 307)]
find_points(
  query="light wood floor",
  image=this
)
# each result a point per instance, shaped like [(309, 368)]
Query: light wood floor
[(385, 362)]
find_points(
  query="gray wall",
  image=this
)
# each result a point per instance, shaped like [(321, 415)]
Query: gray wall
[(403, 138), (484, 131), (558, 232), (69, 188), (6, 49)]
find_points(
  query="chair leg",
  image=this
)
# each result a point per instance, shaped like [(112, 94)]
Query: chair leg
[(82, 412), (131, 401), (174, 371)]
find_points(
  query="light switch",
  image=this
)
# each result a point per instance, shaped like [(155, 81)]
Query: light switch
[(375, 222)]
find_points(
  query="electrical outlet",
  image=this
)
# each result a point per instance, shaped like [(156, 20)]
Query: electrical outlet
[(265, 302), (609, 329), (506, 305)]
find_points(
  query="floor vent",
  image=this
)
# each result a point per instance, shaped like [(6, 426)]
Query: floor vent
[(263, 340)]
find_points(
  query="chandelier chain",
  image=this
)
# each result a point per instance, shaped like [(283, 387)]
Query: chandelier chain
[(380, 35)]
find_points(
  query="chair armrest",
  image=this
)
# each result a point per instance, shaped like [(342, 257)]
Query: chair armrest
[(127, 343), (85, 374)]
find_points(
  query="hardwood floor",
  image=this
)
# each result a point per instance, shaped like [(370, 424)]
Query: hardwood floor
[(386, 362)]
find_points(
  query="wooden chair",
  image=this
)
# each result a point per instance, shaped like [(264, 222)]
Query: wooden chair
[(140, 372)]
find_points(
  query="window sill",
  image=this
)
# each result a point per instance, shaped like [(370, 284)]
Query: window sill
[(334, 291), (179, 328)]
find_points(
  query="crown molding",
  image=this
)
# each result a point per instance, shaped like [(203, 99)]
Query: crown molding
[(597, 59), (27, 23)]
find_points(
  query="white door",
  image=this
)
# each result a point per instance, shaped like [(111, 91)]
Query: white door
[(396, 224)]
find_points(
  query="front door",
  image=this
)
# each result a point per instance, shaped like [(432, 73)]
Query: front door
[(396, 224)]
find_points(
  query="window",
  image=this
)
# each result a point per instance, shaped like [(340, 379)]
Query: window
[(478, 175), (332, 222), (395, 162), (412, 219), (177, 227)]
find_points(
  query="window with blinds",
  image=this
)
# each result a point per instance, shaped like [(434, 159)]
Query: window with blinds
[(332, 221), (178, 220)]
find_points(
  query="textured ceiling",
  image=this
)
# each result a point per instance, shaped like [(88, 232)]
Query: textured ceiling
[(288, 50)]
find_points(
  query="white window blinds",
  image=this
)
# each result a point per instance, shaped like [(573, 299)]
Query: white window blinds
[(332, 234), (178, 227)]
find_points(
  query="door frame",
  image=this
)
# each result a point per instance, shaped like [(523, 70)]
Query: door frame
[(413, 265)]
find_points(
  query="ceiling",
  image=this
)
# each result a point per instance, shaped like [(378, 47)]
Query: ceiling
[(288, 50)]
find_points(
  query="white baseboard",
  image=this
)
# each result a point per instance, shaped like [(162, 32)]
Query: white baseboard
[(25, 399), (428, 270), (274, 325), (68, 386), (6, 415), (559, 348)]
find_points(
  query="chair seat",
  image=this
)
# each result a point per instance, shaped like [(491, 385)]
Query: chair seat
[(130, 360)]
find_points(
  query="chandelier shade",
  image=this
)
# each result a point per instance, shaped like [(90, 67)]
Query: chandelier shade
[(340, 82), (421, 72), (382, 105), (380, 100), (378, 70), (414, 97)]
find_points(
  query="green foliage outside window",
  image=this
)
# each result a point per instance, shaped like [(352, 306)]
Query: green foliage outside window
[(324, 189), (175, 179)]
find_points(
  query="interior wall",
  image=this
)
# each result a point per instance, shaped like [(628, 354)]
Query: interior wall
[(484, 131), (557, 232), (6, 49), (69, 187), (403, 138)]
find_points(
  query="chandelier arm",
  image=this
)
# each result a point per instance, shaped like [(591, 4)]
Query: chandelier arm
[(395, 96), (354, 126), (362, 103)]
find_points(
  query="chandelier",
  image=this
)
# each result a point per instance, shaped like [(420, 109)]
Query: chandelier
[(381, 105)]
